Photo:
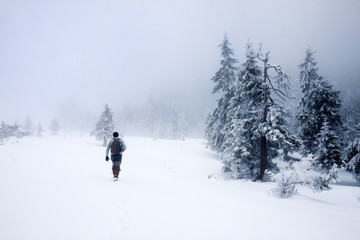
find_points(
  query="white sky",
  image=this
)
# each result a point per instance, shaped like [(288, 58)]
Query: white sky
[(82, 54)]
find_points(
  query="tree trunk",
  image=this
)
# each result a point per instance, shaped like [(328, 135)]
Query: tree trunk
[(285, 157), (263, 158), (263, 144)]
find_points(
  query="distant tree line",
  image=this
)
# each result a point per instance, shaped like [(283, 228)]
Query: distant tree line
[(26, 130), (252, 123), (7, 131), (154, 119)]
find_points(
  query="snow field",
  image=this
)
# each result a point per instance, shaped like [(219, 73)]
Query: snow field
[(60, 187)]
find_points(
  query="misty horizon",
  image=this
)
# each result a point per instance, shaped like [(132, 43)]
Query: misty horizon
[(64, 59)]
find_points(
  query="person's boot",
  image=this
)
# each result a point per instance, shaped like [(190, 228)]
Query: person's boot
[(117, 171), (114, 171)]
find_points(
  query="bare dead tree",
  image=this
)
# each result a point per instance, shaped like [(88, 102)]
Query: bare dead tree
[(281, 90)]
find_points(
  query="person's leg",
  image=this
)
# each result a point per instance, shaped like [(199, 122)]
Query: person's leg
[(116, 160), (114, 168), (117, 168)]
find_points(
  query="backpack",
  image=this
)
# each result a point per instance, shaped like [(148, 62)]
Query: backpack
[(117, 146)]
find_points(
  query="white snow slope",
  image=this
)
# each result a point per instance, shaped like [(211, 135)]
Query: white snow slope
[(61, 188)]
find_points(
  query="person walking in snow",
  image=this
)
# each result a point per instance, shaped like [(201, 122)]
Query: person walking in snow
[(117, 147)]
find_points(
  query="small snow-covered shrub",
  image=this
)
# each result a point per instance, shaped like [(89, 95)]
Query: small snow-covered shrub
[(7, 131), (318, 184), (285, 184), (314, 178), (323, 182), (304, 173)]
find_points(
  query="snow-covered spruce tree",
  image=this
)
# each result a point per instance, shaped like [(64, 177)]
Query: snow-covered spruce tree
[(224, 80), (328, 153), (39, 131), (308, 129), (352, 158), (272, 131), (256, 127), (318, 103), (54, 127), (104, 128), (241, 148), (176, 124), (28, 127), (350, 115), (150, 118)]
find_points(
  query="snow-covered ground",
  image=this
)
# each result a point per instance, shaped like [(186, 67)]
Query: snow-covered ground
[(61, 188)]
